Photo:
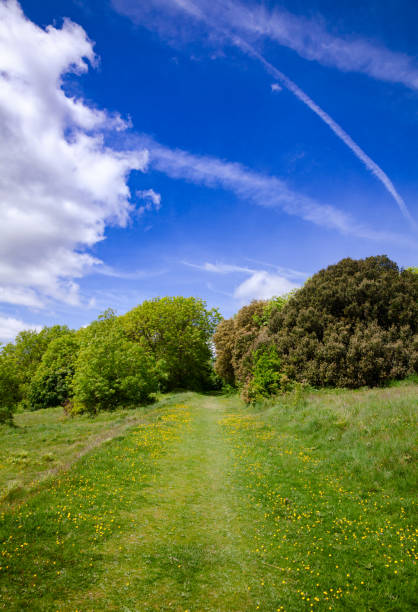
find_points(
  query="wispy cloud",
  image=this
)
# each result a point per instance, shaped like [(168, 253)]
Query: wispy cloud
[(260, 189), (259, 284), (232, 22), (218, 268), (310, 37), (333, 125), (134, 275), (312, 40), (152, 200)]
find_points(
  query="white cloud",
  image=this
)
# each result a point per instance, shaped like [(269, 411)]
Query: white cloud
[(260, 189), (276, 87), (60, 182), (309, 37), (152, 199), (262, 285), (10, 327), (19, 295)]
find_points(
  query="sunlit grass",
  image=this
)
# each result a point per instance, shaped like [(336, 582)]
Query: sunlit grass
[(299, 504)]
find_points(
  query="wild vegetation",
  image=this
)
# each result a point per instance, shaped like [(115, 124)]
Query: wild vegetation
[(162, 344), (351, 325)]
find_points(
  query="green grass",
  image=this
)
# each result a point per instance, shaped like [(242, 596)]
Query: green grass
[(306, 503), (45, 442)]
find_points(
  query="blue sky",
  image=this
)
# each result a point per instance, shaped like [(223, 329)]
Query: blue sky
[(226, 150)]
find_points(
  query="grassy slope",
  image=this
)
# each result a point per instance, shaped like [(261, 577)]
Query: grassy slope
[(213, 506), (46, 441)]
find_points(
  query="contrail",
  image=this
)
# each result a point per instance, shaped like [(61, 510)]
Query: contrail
[(333, 125)]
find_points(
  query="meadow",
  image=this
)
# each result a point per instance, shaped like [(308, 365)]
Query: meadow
[(200, 502)]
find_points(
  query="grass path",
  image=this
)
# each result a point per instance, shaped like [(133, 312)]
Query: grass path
[(209, 507), (190, 548)]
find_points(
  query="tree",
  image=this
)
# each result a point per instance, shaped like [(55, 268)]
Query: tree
[(9, 389), (26, 354), (111, 370), (52, 383), (179, 331)]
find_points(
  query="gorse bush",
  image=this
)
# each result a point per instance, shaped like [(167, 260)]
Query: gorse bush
[(111, 369), (353, 324), (52, 383)]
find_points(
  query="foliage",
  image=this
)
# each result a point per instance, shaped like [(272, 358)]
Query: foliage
[(51, 384), (275, 304), (224, 340), (267, 377), (179, 331), (234, 341), (25, 355), (9, 389), (353, 324), (111, 370)]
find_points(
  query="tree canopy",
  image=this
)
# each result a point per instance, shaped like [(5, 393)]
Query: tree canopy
[(179, 331)]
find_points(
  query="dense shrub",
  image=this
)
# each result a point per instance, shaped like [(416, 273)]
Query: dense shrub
[(111, 370), (52, 382), (238, 340), (224, 339), (179, 331), (353, 324)]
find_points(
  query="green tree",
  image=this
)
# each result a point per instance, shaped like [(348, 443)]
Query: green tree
[(9, 389), (26, 354), (111, 370), (179, 331), (52, 383), (267, 376)]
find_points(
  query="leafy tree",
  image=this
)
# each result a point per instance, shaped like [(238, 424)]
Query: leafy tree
[(9, 389), (111, 370), (26, 354), (179, 331), (52, 382), (267, 376)]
